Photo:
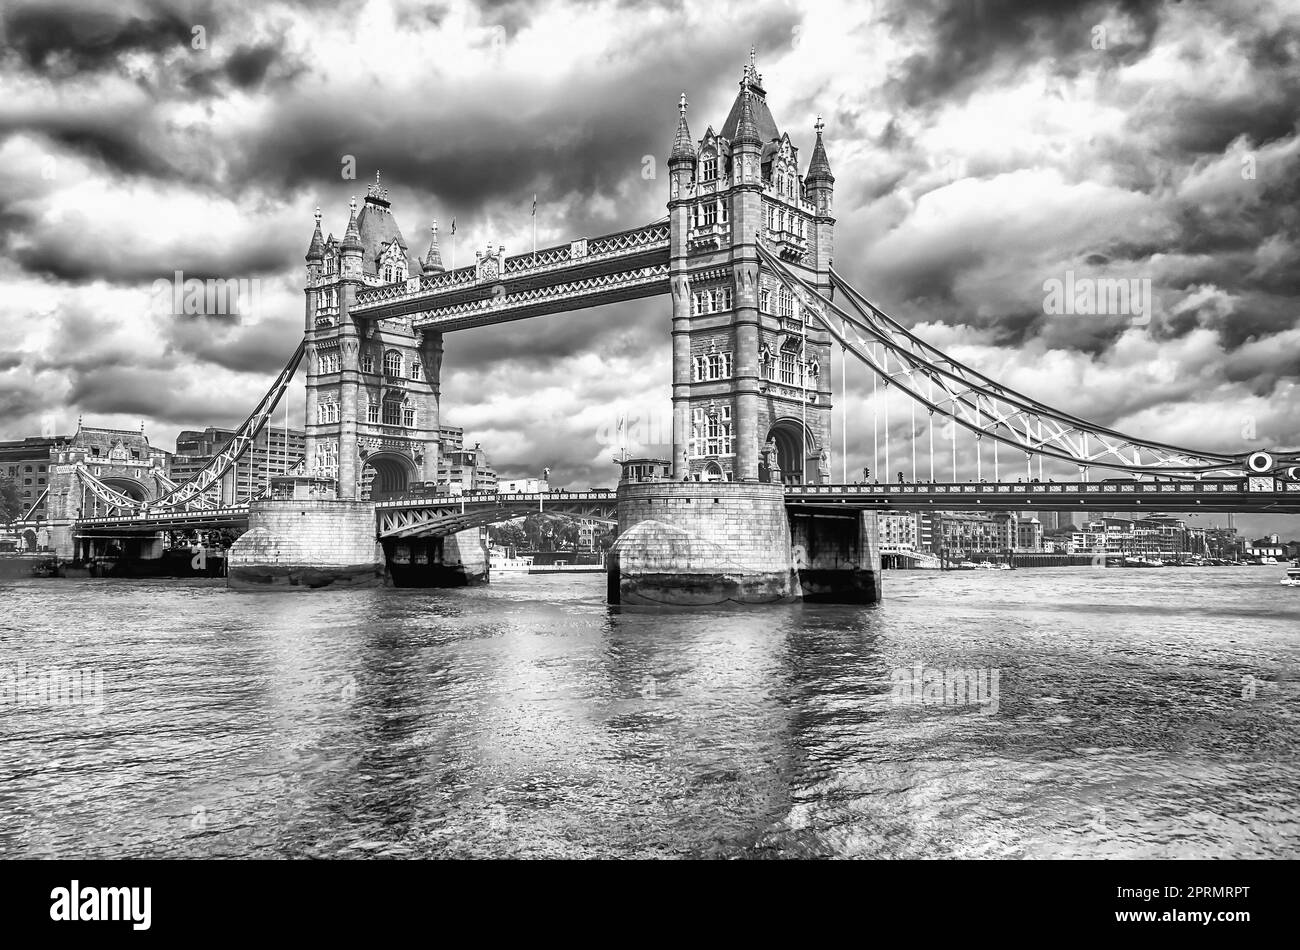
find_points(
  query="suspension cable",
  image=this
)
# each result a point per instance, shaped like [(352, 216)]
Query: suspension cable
[(939, 367)]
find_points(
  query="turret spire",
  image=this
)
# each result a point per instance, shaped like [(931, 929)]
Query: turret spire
[(747, 128), (683, 149), (433, 260), (317, 250), (819, 168), (352, 236)]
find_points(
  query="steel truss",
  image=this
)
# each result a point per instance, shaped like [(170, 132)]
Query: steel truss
[(191, 495), (446, 515)]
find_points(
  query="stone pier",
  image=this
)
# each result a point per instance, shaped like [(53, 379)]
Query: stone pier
[(307, 543), (695, 544)]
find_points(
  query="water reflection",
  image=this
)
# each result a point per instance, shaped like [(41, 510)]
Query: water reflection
[(530, 719)]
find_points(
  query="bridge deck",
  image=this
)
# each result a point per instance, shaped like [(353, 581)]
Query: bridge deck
[(417, 514), (585, 273), (1235, 495)]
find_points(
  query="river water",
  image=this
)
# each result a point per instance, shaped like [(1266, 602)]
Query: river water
[(1116, 713)]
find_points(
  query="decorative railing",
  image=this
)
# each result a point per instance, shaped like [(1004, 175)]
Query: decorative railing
[(587, 250), (1038, 488), (570, 290)]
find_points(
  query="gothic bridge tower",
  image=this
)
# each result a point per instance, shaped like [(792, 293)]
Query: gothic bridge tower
[(372, 385), (751, 386)]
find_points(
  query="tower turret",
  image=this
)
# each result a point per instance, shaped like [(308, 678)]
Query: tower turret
[(432, 262), (316, 251), (351, 249), (820, 183), (747, 145), (681, 162)]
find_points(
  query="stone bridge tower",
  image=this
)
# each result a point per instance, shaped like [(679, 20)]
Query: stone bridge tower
[(372, 385), (751, 387)]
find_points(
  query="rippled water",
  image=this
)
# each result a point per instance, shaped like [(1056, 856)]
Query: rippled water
[(1139, 714)]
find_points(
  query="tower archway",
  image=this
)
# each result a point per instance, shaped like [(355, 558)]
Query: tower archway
[(791, 445), (387, 475)]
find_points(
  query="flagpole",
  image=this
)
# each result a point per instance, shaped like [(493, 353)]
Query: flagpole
[(534, 227)]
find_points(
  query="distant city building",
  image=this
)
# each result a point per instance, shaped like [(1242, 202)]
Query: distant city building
[(1268, 546), (1028, 534), (1158, 536), (26, 463), (587, 533), (1053, 521), (515, 486), (462, 469), (960, 532), (899, 531), (275, 451)]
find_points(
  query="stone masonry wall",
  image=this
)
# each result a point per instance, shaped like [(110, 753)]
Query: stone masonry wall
[(703, 528), (308, 533)]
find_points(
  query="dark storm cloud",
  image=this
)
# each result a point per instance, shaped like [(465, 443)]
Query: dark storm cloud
[(972, 37), (64, 37), (261, 348), (18, 399), (131, 391), (84, 339), (614, 331), (583, 138), (50, 256), (124, 138)]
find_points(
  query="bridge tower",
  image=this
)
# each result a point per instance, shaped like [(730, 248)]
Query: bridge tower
[(372, 385), (751, 393)]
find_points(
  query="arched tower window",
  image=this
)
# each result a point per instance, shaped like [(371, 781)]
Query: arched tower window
[(392, 363)]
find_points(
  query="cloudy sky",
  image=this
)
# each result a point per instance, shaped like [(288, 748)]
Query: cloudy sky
[(981, 147)]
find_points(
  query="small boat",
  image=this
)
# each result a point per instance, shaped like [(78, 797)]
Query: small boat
[(502, 562), (1292, 578), (1004, 567), (1142, 562), (967, 566)]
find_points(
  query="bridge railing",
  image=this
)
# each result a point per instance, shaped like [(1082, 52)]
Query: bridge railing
[(165, 515), (1170, 488), (415, 499)]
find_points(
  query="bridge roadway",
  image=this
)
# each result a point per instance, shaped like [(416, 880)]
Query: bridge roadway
[(417, 515)]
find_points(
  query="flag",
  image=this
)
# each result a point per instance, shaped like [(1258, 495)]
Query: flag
[(534, 205), (453, 225)]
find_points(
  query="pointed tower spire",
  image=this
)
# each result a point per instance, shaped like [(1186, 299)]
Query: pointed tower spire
[(352, 236), (747, 128), (317, 250), (683, 149), (433, 260), (819, 168)]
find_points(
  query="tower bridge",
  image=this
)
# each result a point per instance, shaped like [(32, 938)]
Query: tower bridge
[(745, 509)]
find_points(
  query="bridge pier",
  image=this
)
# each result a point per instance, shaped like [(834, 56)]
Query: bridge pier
[(308, 543), (454, 560), (837, 555), (697, 544)]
